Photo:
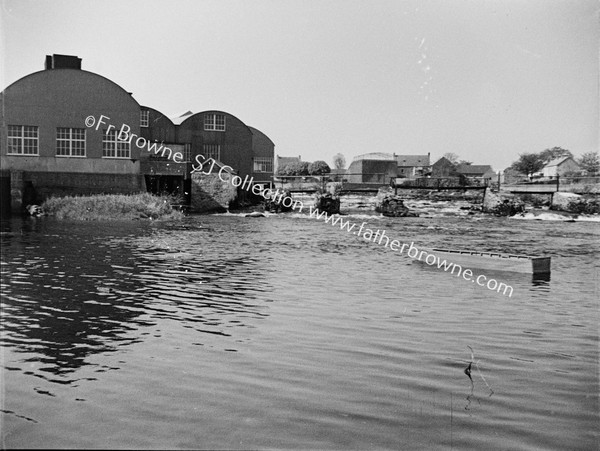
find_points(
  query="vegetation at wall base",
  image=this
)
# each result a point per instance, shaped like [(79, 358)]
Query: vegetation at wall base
[(111, 206)]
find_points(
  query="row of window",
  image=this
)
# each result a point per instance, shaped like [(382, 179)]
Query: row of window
[(212, 121), (23, 139), (261, 164), (70, 142)]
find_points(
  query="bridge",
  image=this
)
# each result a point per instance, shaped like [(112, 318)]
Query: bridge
[(310, 184)]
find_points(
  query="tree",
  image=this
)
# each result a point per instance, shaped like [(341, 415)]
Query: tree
[(590, 162), (318, 167), (528, 163), (339, 161), (452, 157), (554, 153), (296, 168), (465, 162)]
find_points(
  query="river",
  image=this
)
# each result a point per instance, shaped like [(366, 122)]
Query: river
[(283, 332)]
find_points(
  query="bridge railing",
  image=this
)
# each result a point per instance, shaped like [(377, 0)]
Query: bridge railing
[(439, 182), (587, 180), (347, 180)]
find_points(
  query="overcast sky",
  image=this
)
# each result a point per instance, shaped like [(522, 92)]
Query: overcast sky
[(486, 80)]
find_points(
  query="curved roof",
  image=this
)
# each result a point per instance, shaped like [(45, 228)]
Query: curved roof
[(164, 116), (46, 72), (374, 156), (187, 118), (257, 132)]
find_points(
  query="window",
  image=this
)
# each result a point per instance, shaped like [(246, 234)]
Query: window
[(113, 147), (167, 151), (263, 164), (70, 142), (211, 151), (187, 153), (214, 121), (23, 140), (144, 118)]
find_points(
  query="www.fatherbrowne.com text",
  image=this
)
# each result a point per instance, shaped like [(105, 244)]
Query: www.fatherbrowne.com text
[(380, 237)]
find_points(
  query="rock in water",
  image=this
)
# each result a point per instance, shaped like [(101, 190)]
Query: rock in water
[(561, 201), (493, 203), (328, 203), (275, 203), (255, 214), (389, 204)]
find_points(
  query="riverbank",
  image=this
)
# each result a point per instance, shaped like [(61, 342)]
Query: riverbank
[(111, 207)]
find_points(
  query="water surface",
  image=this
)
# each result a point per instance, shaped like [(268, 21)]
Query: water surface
[(225, 332)]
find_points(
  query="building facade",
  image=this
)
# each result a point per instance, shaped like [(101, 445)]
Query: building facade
[(48, 142), (44, 140), (372, 171), (413, 166), (443, 168), (560, 166)]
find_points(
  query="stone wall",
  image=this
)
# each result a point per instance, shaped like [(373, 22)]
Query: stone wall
[(210, 193)]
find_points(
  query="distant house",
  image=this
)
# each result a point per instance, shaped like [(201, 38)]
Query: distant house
[(371, 171), (512, 176), (443, 168), (412, 166), (482, 172), (560, 166)]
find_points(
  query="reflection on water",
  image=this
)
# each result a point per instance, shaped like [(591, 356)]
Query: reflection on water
[(67, 296), (283, 332)]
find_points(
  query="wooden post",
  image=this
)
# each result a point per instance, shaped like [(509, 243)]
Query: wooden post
[(557, 182)]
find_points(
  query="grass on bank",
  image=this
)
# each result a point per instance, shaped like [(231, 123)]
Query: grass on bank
[(111, 206)]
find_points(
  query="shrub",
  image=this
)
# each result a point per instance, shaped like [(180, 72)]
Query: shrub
[(296, 168), (318, 167), (111, 206)]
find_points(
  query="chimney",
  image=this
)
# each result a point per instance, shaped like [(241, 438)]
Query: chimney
[(62, 62)]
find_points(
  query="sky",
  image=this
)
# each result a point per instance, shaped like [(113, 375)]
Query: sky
[(487, 79)]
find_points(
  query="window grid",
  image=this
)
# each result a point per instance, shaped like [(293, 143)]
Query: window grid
[(144, 118), (211, 151), (23, 140), (263, 164), (187, 153), (215, 122), (113, 147), (70, 142)]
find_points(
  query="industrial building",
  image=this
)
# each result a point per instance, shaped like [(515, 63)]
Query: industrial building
[(48, 149)]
